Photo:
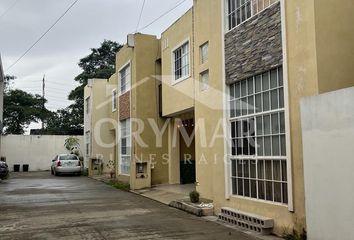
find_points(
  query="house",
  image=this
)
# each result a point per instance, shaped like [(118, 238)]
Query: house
[(232, 76), (140, 157), (100, 125)]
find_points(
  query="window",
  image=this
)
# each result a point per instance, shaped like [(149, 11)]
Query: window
[(239, 11), (204, 80), (204, 49), (258, 134), (88, 140), (114, 100), (181, 62), (87, 101), (125, 147), (124, 76)]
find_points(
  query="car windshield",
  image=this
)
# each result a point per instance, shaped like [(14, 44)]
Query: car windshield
[(68, 157)]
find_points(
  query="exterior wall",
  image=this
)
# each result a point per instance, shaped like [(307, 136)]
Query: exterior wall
[(209, 104), (181, 92), (37, 151), (327, 131), (259, 48), (255, 46), (334, 44), (144, 107)]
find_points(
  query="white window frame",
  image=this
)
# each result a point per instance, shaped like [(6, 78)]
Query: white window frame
[(174, 80), (227, 14), (204, 86), (204, 59), (128, 83), (256, 157), (114, 100), (120, 147)]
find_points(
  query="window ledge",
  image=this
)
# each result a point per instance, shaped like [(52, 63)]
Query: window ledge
[(174, 82)]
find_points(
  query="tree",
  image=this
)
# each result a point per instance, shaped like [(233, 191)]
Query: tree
[(20, 109), (100, 63), (8, 79), (64, 122)]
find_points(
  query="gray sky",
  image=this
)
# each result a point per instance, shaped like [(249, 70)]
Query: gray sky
[(84, 27)]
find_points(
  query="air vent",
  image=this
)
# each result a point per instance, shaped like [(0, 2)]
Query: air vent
[(247, 221)]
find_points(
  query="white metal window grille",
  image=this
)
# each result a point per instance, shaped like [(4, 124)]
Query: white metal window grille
[(125, 147), (114, 100), (258, 137), (124, 76), (181, 62), (238, 11), (204, 52)]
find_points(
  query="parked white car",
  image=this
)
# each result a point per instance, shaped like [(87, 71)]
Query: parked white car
[(66, 164)]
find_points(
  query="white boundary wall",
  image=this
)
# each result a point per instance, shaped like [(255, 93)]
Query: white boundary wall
[(328, 144), (35, 150)]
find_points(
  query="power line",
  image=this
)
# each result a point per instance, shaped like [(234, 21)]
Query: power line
[(141, 13), (162, 15), (9, 8), (45, 33)]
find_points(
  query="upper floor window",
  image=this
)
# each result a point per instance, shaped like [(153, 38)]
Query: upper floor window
[(87, 103), (181, 62), (239, 11), (114, 100), (204, 52), (124, 79)]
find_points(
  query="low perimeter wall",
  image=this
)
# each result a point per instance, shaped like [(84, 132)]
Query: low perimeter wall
[(37, 151), (328, 138)]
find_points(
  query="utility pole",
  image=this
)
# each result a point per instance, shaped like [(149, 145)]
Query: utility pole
[(43, 97)]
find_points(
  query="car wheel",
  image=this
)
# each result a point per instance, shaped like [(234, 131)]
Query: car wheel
[(51, 171)]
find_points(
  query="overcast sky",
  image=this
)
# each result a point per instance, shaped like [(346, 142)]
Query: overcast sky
[(87, 24)]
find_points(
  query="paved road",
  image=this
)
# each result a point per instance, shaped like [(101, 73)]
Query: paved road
[(41, 206)]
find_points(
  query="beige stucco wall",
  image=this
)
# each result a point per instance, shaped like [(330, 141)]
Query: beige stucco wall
[(334, 43), (181, 92), (145, 108), (209, 103)]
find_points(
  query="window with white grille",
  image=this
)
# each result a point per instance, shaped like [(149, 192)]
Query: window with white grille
[(181, 65), (125, 152), (239, 11), (114, 100), (124, 78), (258, 137)]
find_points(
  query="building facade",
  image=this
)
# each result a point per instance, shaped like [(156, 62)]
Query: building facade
[(224, 84)]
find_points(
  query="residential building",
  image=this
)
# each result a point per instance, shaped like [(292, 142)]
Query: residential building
[(100, 126), (231, 85), (140, 158)]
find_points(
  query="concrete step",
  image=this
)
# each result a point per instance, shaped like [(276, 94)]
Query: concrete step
[(247, 221)]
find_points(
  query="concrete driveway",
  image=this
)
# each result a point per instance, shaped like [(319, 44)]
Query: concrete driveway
[(41, 206)]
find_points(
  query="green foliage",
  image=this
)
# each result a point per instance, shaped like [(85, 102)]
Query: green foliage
[(295, 235), (65, 122), (84, 172), (71, 143), (194, 196), (8, 79), (120, 185), (20, 109), (100, 63)]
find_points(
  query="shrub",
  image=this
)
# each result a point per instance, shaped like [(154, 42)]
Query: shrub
[(120, 185), (194, 196)]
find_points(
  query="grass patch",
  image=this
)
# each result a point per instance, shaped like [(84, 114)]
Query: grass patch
[(295, 235), (120, 185)]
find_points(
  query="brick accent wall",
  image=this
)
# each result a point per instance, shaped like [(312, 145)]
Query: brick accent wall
[(254, 46), (124, 106)]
